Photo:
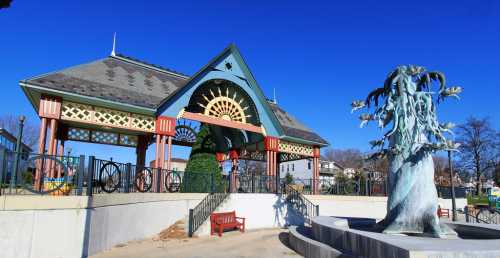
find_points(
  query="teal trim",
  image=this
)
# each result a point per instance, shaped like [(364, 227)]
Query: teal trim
[(27, 87), (179, 100)]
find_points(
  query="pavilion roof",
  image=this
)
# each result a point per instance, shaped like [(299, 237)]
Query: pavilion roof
[(116, 78), (293, 127), (130, 81)]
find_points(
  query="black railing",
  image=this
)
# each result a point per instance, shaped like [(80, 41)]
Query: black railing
[(202, 211), (41, 174), (301, 204), (251, 183), (485, 215), (445, 191)]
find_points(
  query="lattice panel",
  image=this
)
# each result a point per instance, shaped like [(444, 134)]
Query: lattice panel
[(104, 116), (253, 155), (128, 140), (284, 157), (296, 148), (104, 137), (76, 112), (78, 134), (111, 117), (143, 123)]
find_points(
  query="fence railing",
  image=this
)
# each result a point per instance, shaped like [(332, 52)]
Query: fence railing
[(202, 211), (41, 174), (301, 204), (365, 187), (485, 215), (251, 183)]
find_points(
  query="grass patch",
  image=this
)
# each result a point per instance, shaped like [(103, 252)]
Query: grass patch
[(477, 199)]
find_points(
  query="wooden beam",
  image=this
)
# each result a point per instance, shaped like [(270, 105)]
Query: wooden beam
[(225, 123)]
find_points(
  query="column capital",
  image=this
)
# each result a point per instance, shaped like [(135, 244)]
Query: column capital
[(165, 125), (234, 154), (50, 107), (316, 152), (271, 143)]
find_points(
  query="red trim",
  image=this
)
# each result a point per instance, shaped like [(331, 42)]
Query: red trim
[(220, 156), (234, 154), (231, 124), (316, 152), (271, 143), (165, 125), (50, 107)]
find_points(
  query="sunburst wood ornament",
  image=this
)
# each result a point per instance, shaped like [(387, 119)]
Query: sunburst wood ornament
[(225, 105)]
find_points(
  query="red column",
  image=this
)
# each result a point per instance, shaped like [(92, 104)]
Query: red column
[(271, 146), (61, 154), (169, 157), (234, 156), (316, 154), (41, 151), (164, 127), (52, 146)]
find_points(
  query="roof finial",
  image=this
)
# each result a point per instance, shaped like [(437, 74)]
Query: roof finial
[(274, 96), (114, 45)]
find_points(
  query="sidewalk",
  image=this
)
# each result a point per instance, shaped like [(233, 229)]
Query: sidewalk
[(269, 243)]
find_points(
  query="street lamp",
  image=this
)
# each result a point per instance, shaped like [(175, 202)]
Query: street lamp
[(451, 147), (18, 150)]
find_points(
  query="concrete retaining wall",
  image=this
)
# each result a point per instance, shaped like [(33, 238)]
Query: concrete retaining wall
[(373, 207), (76, 226)]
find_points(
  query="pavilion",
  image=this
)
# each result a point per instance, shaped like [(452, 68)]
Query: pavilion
[(122, 101)]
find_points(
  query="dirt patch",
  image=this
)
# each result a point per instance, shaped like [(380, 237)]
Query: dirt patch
[(176, 231)]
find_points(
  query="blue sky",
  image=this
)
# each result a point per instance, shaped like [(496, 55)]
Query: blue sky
[(319, 55)]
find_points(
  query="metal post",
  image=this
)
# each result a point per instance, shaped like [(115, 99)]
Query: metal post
[(253, 181), (3, 156), (90, 175), (158, 180), (80, 173), (18, 151), (466, 211), (190, 222), (317, 210), (128, 169), (453, 202)]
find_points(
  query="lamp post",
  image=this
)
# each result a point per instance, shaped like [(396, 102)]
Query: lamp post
[(18, 150), (453, 203)]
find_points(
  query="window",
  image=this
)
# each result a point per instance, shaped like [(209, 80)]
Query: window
[(293, 167), (287, 167), (309, 165)]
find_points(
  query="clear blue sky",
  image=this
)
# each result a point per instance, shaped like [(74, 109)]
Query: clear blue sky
[(318, 55)]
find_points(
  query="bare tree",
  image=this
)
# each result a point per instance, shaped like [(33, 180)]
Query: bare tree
[(5, 3), (348, 158), (478, 150), (30, 131)]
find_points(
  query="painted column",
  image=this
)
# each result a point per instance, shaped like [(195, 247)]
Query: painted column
[(142, 145), (169, 153), (60, 154), (271, 146), (157, 160), (316, 154), (165, 128), (50, 109), (41, 151)]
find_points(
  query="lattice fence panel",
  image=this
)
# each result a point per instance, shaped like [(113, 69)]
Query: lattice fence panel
[(104, 137), (76, 111), (78, 134), (296, 148), (111, 117), (104, 116), (128, 140), (143, 123)]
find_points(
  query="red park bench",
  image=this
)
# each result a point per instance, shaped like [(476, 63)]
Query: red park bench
[(225, 220), (443, 212)]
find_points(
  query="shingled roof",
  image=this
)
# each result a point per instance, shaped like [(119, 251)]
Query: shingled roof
[(293, 127), (116, 78)]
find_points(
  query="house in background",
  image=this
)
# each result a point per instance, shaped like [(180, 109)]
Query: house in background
[(302, 169), (8, 144), (177, 164)]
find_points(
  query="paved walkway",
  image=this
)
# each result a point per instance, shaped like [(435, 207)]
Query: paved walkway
[(269, 243)]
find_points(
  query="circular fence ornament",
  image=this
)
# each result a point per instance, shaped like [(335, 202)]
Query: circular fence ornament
[(110, 177), (143, 180)]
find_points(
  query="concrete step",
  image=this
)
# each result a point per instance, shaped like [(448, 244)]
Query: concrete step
[(302, 241)]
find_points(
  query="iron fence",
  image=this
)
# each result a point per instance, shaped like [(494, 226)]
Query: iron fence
[(202, 211), (251, 183), (485, 215), (41, 174), (302, 205), (353, 186)]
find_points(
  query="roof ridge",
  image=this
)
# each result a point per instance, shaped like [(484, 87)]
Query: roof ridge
[(149, 65)]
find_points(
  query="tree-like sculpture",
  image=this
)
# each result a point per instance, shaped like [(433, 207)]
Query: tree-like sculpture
[(409, 108)]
